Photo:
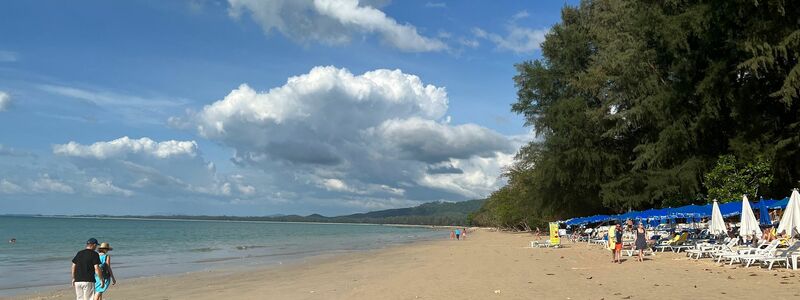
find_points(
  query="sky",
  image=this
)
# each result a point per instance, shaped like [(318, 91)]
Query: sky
[(246, 107)]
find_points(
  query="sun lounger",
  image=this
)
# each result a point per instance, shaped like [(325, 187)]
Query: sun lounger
[(726, 254), (749, 258), (710, 249), (781, 257), (543, 244)]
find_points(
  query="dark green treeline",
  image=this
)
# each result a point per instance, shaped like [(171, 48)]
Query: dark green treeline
[(634, 102)]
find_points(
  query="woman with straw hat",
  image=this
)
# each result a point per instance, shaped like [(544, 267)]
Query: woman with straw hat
[(105, 267)]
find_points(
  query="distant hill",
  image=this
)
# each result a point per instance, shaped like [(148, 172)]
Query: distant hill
[(432, 213)]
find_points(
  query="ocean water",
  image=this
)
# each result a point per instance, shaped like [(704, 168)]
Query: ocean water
[(44, 249)]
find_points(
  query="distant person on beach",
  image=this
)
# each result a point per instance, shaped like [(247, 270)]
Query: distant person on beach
[(463, 233), (458, 234), (538, 233), (618, 244), (101, 285), (452, 234), (85, 265), (641, 241)]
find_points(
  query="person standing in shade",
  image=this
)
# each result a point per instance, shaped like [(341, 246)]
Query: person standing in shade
[(641, 241), (84, 267), (101, 285)]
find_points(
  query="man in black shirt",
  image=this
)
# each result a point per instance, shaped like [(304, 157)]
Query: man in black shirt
[(84, 266)]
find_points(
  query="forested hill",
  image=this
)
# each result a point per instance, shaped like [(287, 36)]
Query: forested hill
[(432, 213), (649, 104)]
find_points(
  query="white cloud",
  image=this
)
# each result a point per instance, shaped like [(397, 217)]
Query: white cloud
[(331, 134), (5, 101), (332, 21), (125, 146), (8, 56), (333, 184), (45, 184), (432, 142), (105, 187), (471, 43), (517, 39), (8, 187)]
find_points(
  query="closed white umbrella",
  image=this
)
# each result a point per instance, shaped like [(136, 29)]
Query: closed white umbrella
[(717, 224), (749, 226), (790, 221)]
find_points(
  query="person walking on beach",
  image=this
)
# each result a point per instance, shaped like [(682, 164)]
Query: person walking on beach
[(641, 241), (458, 234), (618, 244), (101, 285), (463, 233), (452, 234), (85, 265)]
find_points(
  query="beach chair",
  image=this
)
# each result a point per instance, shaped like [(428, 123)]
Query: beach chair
[(783, 257), (725, 254), (667, 243), (674, 243), (748, 259), (709, 249)]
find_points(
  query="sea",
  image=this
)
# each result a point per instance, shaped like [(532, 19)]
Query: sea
[(45, 246)]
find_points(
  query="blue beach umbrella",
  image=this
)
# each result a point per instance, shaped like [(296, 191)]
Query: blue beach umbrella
[(763, 217)]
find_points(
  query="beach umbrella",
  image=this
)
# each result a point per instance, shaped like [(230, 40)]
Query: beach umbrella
[(749, 225), (790, 221), (763, 213), (717, 224)]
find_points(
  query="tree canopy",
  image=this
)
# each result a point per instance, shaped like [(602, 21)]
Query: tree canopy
[(634, 102)]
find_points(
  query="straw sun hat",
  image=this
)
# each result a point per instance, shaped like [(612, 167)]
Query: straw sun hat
[(106, 246)]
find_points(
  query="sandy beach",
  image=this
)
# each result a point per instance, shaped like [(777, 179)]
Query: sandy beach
[(489, 265)]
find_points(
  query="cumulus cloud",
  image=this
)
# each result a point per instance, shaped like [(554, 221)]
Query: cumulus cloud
[(433, 142), (124, 146), (105, 187), (45, 184), (5, 101), (329, 133), (333, 21), (517, 38), (170, 168)]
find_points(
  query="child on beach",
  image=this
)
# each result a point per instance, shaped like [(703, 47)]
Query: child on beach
[(105, 267), (452, 234), (464, 233)]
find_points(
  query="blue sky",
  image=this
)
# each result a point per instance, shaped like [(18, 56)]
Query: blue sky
[(392, 103)]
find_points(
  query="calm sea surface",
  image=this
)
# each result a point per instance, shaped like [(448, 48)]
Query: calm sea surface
[(45, 246)]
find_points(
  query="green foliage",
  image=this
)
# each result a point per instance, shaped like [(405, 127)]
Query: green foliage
[(731, 178), (633, 102)]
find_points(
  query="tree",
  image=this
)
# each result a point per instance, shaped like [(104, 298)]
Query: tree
[(634, 103), (732, 178)]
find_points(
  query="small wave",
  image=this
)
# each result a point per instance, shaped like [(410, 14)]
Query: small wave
[(206, 249), (212, 260), (245, 247)]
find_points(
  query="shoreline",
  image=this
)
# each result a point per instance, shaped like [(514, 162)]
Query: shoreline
[(488, 265)]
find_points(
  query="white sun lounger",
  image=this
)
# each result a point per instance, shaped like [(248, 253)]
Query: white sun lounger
[(784, 256)]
